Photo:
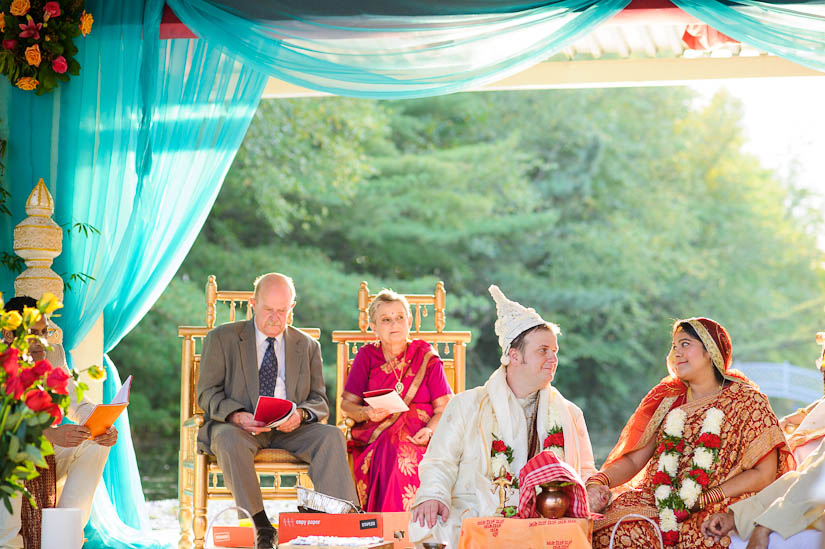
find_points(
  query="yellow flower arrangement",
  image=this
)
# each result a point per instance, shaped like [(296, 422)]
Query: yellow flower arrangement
[(49, 301), (20, 8), (31, 315), (33, 55), (86, 21), (97, 372), (2, 21), (27, 83), (10, 320)]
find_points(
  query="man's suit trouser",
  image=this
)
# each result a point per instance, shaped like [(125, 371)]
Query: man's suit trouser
[(322, 446)]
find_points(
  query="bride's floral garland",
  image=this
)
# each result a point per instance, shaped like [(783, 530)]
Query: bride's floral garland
[(674, 497), (501, 455)]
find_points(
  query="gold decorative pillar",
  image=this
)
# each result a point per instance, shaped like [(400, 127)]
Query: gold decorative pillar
[(38, 240)]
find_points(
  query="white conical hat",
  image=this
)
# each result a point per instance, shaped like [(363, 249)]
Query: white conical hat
[(513, 319)]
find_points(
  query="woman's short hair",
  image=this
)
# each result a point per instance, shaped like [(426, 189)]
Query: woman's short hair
[(386, 296)]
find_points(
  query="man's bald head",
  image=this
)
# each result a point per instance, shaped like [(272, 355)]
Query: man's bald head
[(273, 280), (272, 302)]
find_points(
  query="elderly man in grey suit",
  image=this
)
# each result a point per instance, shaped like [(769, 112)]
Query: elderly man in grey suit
[(266, 356)]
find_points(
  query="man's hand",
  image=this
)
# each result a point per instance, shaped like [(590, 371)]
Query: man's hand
[(422, 437), (598, 496), (760, 538), (246, 421), (718, 525), (68, 435), (376, 414), (108, 438), (429, 511), (292, 423)]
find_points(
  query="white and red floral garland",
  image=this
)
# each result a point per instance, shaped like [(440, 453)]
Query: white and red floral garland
[(554, 441), (501, 455), (674, 497)]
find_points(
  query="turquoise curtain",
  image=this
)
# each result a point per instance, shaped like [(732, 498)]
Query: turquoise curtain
[(398, 50), (793, 30), (137, 146)]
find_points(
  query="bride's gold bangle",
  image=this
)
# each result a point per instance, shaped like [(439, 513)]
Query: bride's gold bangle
[(599, 478), (709, 497)]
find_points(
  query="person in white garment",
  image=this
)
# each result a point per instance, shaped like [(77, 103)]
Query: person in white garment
[(788, 513), (80, 459), (805, 428), (516, 413)]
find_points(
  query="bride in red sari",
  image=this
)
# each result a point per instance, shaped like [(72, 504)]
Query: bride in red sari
[(388, 447), (703, 438)]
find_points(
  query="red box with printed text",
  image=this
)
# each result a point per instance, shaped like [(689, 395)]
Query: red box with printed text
[(389, 526)]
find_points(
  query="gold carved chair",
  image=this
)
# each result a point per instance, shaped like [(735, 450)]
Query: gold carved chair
[(199, 477), (450, 346)]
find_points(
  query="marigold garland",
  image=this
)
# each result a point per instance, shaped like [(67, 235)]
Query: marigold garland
[(38, 48)]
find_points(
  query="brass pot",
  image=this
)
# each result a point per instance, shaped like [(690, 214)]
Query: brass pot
[(552, 502)]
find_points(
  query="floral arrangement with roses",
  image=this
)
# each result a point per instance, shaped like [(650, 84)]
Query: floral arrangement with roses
[(38, 41), (34, 396)]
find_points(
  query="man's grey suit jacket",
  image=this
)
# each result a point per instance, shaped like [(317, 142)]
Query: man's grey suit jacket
[(228, 379)]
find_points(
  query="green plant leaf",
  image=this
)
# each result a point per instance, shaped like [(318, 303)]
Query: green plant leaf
[(14, 447)]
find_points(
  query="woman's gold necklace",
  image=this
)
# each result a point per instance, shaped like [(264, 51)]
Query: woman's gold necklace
[(394, 362), (691, 398)]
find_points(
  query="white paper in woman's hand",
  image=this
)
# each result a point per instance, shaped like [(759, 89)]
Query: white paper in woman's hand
[(390, 401)]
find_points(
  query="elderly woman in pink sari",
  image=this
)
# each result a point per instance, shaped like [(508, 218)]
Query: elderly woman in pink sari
[(388, 447)]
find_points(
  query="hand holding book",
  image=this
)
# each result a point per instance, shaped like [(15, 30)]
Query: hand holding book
[(103, 416), (273, 411)]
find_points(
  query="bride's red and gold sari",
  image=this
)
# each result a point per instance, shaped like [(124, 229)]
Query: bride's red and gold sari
[(749, 433)]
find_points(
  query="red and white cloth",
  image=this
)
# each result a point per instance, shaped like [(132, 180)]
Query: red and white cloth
[(546, 467)]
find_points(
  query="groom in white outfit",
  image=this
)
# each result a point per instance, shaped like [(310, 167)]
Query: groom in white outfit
[(79, 458), (517, 406)]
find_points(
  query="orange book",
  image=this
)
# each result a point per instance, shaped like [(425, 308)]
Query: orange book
[(103, 416)]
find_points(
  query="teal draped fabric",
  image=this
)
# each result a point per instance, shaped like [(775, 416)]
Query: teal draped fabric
[(383, 55), (137, 146), (793, 30)]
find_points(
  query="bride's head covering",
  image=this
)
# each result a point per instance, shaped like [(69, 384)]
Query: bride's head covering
[(513, 320), (716, 341)]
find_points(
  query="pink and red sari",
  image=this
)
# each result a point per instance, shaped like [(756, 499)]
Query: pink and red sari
[(385, 461)]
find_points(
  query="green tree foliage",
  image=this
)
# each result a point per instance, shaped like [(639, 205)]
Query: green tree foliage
[(299, 159), (612, 212)]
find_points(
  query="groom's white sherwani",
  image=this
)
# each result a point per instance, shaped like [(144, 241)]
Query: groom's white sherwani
[(456, 468)]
